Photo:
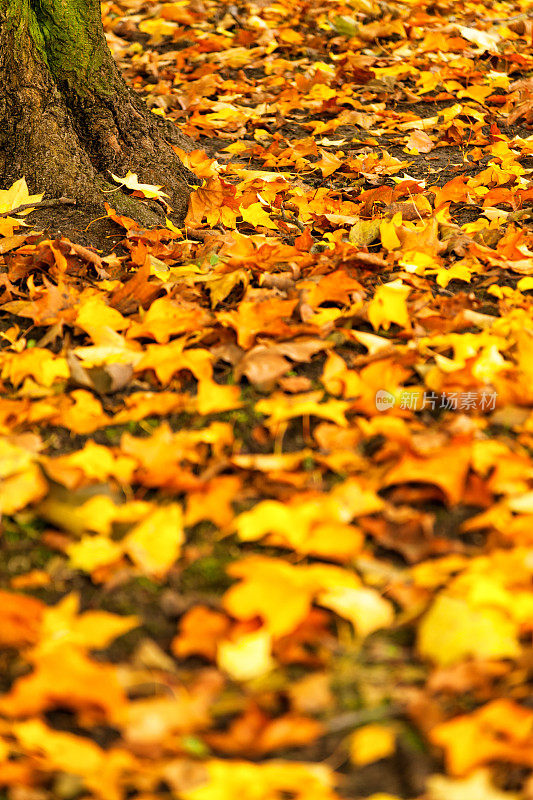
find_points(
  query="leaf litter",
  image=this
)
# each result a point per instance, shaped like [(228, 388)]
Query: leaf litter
[(266, 478)]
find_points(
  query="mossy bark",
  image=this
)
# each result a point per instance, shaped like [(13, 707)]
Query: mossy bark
[(67, 119)]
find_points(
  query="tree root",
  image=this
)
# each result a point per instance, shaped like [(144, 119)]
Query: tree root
[(66, 143), (61, 201)]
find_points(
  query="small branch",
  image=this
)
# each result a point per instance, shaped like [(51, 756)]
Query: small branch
[(283, 217), (61, 201), (198, 234), (354, 719), (235, 14), (510, 19)]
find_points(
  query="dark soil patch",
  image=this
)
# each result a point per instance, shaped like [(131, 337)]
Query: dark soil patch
[(90, 229)]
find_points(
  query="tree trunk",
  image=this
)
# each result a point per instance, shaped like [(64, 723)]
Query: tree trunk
[(67, 119)]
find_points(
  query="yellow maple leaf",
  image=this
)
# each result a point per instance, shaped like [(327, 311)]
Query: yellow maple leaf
[(329, 163), (62, 749), (63, 624), (499, 730), (338, 379), (453, 630), (256, 215), (387, 230), (80, 411), (92, 552), (157, 28), (45, 367), (97, 514), (92, 463), (246, 657), (21, 480), (93, 312), (389, 305), (102, 771), (132, 182), (65, 676), (281, 407), (166, 318), (220, 285), (371, 743), (154, 544), (282, 594), (14, 197), (363, 607), (13, 458), (212, 398), (269, 588), (315, 524), (266, 781)]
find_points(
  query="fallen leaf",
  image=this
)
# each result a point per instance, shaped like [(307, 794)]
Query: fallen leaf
[(154, 543), (419, 142), (371, 743), (146, 190)]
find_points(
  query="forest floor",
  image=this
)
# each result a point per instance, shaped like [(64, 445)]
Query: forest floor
[(267, 477)]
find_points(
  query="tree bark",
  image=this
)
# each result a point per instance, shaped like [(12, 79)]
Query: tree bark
[(67, 118)]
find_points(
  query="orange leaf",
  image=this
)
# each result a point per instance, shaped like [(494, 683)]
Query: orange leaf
[(500, 730), (328, 164), (83, 685), (20, 619), (419, 141)]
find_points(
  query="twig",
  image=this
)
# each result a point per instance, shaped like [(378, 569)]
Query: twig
[(353, 719), (234, 13), (283, 217), (61, 201), (509, 19), (198, 234)]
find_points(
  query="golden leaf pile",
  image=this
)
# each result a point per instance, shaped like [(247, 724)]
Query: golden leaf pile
[(266, 478)]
